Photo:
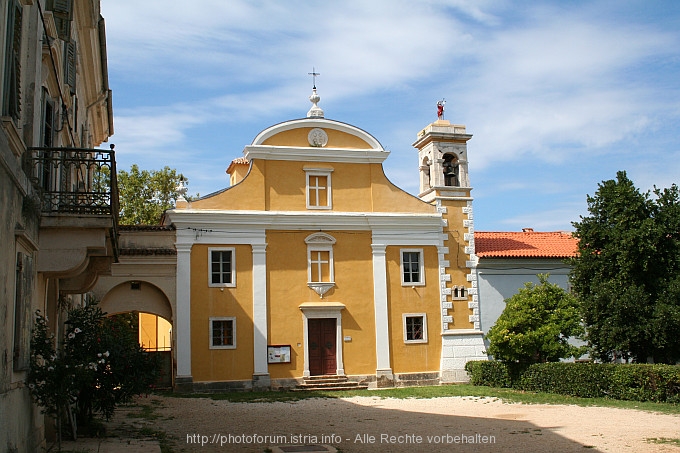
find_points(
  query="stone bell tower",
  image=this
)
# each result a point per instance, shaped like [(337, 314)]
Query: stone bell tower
[(445, 182), (442, 153)]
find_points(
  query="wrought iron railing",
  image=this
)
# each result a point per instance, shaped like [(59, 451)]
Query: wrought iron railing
[(75, 180)]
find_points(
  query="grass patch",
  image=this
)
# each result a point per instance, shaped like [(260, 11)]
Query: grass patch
[(147, 412), (505, 394), (664, 440)]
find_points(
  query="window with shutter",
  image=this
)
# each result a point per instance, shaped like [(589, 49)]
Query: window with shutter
[(70, 65), (12, 87), (62, 10), (22, 311), (48, 121)]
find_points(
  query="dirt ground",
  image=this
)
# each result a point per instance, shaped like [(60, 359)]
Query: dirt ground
[(373, 424)]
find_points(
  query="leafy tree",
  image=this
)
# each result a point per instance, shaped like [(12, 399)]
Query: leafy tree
[(627, 272), (144, 195), (536, 324)]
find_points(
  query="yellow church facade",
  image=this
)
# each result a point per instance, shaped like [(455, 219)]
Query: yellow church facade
[(312, 263)]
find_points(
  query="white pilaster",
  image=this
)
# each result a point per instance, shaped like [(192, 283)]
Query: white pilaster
[(261, 370), (382, 334), (182, 326)]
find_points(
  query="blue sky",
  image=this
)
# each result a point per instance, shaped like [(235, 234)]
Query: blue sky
[(558, 95)]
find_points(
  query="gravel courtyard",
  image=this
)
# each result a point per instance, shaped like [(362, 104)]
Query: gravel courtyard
[(373, 424)]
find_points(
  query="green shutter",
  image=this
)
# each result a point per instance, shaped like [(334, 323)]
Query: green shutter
[(70, 65), (12, 100), (22, 311), (62, 10)]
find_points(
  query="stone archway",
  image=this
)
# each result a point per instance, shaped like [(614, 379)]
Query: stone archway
[(136, 295), (153, 308)]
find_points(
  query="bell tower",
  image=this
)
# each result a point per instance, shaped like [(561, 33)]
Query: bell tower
[(442, 155), (445, 183)]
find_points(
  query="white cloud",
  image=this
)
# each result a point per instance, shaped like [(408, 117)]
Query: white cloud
[(549, 82), (558, 218)]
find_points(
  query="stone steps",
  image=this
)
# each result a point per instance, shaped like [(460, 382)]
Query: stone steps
[(329, 382)]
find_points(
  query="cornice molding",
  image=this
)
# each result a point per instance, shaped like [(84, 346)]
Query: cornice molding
[(249, 227), (314, 154)]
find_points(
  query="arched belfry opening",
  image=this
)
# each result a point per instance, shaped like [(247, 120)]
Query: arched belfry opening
[(451, 170)]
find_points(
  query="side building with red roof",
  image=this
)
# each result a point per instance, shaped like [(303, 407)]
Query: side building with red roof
[(505, 261)]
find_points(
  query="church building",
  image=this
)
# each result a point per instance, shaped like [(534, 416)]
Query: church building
[(312, 263)]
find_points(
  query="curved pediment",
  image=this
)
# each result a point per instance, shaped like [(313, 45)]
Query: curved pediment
[(317, 133)]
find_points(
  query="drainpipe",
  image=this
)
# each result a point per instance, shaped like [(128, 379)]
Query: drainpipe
[(105, 73)]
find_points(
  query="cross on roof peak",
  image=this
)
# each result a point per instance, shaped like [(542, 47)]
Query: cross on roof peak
[(314, 74)]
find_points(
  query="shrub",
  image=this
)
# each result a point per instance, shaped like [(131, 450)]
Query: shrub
[(99, 365), (488, 372), (536, 325)]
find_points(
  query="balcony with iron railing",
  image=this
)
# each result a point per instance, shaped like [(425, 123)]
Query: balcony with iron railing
[(78, 195), (75, 180)]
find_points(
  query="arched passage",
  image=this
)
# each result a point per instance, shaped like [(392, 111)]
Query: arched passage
[(154, 314), (137, 296)]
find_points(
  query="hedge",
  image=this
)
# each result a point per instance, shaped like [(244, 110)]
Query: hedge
[(635, 382), (585, 380), (489, 373)]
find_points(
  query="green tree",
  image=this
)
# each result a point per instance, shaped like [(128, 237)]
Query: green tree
[(536, 324), (627, 272), (144, 195)]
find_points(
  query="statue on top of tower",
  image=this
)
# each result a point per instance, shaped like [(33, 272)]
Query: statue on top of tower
[(440, 109)]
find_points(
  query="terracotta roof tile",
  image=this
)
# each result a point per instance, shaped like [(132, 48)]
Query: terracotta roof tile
[(527, 244), (146, 227), (237, 161), (142, 251)]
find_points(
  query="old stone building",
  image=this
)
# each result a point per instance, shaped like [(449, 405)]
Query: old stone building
[(58, 204)]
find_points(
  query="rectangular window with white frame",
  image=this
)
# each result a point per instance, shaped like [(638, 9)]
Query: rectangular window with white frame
[(222, 267), (318, 187), (320, 267), (412, 267), (415, 327), (223, 332)]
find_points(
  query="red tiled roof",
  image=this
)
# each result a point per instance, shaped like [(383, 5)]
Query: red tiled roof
[(527, 244), (146, 227), (237, 161)]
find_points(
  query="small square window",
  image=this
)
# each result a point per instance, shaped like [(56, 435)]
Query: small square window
[(222, 268), (223, 333), (415, 327), (412, 267)]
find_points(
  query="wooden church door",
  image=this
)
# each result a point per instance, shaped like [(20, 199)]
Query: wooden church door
[(322, 346)]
